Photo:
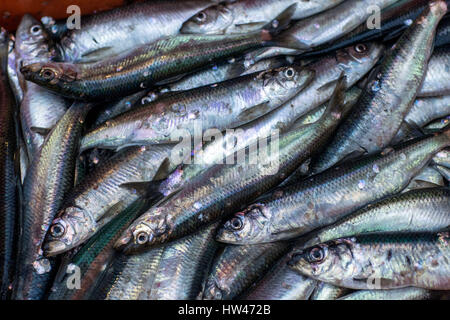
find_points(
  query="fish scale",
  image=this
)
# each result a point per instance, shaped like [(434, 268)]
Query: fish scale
[(388, 95), (322, 199), (437, 77)]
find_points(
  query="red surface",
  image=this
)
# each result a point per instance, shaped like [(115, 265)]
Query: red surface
[(11, 11)]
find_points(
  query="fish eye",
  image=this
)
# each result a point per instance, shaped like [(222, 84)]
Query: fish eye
[(316, 254), (142, 238), (48, 74), (236, 224), (289, 73), (200, 17), (360, 48), (36, 29), (57, 230)]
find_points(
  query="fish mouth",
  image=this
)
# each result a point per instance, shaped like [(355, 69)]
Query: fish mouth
[(53, 248)]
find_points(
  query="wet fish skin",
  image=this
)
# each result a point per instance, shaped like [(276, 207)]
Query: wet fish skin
[(101, 196), (222, 188), (111, 32), (157, 63), (308, 34), (443, 32), (379, 261), (429, 177), (237, 267), (326, 291), (353, 62), (8, 171), (423, 210), (49, 178), (40, 109), (238, 101), (387, 98), (423, 111), (247, 15), (184, 266), (322, 199), (281, 283), (13, 71), (93, 257), (437, 78), (408, 293)]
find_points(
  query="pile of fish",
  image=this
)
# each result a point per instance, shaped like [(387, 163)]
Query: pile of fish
[(197, 149)]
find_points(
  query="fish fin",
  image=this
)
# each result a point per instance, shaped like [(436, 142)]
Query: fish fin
[(280, 23), (163, 170), (254, 112), (328, 85), (336, 104), (41, 131), (414, 129), (170, 80), (111, 212), (352, 155)]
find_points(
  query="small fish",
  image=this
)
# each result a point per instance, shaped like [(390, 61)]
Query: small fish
[(388, 97), (326, 291), (408, 293), (320, 200), (248, 15), (49, 178), (160, 62), (437, 78), (379, 261), (237, 267)]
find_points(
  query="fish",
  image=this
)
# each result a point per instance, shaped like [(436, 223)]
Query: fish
[(442, 158), (281, 283), (13, 71), (326, 291), (443, 32), (247, 15), (322, 199), (111, 32), (379, 261), (387, 98), (438, 74), (9, 172), (429, 177), (353, 62), (40, 109), (104, 194), (49, 178), (423, 111), (237, 267), (444, 171), (408, 293), (163, 121), (91, 260), (222, 188), (184, 266), (310, 33), (160, 62), (394, 20), (423, 210)]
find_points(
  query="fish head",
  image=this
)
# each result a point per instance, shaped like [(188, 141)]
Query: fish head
[(53, 75), (33, 42), (149, 230), (329, 262), (285, 81), (358, 59), (246, 227), (213, 20), (71, 228), (212, 290)]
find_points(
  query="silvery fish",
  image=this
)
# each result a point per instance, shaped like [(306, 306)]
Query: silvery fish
[(238, 101), (326, 291), (237, 267), (353, 62), (111, 32), (322, 199), (388, 97), (224, 187), (423, 210), (160, 62), (437, 78), (379, 261), (408, 293), (40, 109), (248, 15), (49, 178), (103, 194)]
